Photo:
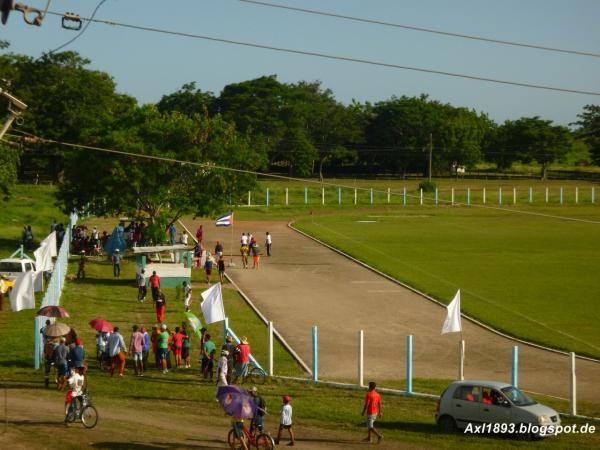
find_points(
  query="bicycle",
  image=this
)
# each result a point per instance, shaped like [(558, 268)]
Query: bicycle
[(85, 412), (260, 440), (255, 375)]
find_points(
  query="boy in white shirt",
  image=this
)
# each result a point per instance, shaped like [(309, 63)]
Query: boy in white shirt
[(285, 420)]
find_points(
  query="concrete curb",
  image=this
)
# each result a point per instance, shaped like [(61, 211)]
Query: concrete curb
[(437, 302)]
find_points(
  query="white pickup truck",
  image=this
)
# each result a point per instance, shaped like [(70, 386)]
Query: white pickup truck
[(12, 267)]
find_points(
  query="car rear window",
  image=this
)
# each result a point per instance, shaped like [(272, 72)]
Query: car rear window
[(467, 393), (10, 266)]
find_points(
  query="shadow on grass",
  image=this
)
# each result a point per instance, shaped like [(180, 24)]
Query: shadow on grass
[(411, 427), (208, 444), (35, 423), (20, 363), (105, 281)]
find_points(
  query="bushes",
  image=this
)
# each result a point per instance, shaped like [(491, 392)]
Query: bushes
[(427, 186)]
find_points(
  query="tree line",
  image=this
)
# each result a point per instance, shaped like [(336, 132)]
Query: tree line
[(262, 124)]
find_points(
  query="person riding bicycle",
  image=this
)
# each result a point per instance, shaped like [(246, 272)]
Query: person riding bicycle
[(77, 384), (261, 409), (238, 427)]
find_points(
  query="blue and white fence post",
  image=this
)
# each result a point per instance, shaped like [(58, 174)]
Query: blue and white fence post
[(225, 328), (361, 354), (404, 197), (514, 379), (339, 196), (436, 196), (561, 195), (315, 354), (468, 196), (409, 371), (267, 196), (270, 349), (371, 195), (593, 194), (306, 196), (499, 195)]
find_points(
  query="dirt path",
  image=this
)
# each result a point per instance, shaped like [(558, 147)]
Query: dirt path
[(305, 284), (36, 423)]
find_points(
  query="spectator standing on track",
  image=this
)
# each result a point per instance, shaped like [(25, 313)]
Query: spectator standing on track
[(155, 285), (285, 420), (199, 234), (221, 266), (136, 347), (372, 408), (142, 290), (219, 249), (154, 342), (177, 346), (268, 243), (161, 305), (116, 351), (244, 239), (255, 256), (116, 260), (49, 348), (245, 250)]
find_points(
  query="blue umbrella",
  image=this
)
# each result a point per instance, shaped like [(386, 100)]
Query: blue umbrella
[(236, 401)]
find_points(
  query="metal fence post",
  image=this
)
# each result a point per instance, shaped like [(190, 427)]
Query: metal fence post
[(286, 197), (267, 196), (593, 194), (389, 195), (573, 400), (339, 196), (306, 196), (361, 367), (249, 194), (468, 196), (421, 197), (484, 196), (355, 196), (315, 351), (404, 197), (270, 356), (576, 195), (322, 196), (409, 371), (225, 328), (452, 197), (515, 366), (499, 195), (561, 195), (514, 196), (371, 195), (436, 196)]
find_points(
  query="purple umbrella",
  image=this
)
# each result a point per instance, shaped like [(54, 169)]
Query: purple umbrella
[(236, 401)]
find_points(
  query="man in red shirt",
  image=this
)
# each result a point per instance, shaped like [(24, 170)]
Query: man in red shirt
[(155, 286), (242, 353), (372, 409)]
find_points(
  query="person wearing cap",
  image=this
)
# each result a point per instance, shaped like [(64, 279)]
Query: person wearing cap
[(81, 266), (77, 355), (116, 260), (372, 409), (155, 285), (261, 410), (163, 346), (208, 356), (230, 347), (142, 290), (285, 420), (242, 358), (222, 367), (161, 304)]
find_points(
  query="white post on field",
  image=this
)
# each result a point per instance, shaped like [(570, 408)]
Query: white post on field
[(499, 195), (270, 331), (286, 196), (514, 196), (576, 195), (249, 194), (421, 197), (461, 367), (573, 400), (452, 193), (468, 196), (404, 196), (389, 195), (355, 196), (436, 196), (546, 194), (339, 196), (361, 353), (484, 196), (322, 196)]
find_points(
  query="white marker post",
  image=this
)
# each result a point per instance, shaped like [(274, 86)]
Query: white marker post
[(573, 402), (461, 367), (389, 195), (421, 197), (514, 196), (322, 196), (249, 194), (361, 366), (452, 196), (355, 196), (270, 350), (286, 196), (484, 196)]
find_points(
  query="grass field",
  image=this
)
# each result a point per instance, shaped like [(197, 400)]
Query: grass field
[(181, 397)]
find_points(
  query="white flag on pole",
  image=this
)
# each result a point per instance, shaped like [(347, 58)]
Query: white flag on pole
[(43, 258), (22, 296), (50, 241), (452, 323), (212, 305)]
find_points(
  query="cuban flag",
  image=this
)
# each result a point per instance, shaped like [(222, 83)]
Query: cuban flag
[(225, 221)]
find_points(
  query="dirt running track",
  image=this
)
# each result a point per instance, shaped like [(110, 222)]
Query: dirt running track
[(305, 284)]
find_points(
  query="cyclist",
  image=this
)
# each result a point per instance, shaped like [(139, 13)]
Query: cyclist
[(238, 427), (77, 383), (261, 409)]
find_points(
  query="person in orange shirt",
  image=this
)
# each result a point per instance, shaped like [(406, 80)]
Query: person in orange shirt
[(372, 409)]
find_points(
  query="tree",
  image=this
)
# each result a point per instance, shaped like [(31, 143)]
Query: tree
[(160, 189), (589, 129), (189, 101), (8, 168)]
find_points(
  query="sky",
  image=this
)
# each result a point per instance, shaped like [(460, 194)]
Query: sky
[(149, 65)]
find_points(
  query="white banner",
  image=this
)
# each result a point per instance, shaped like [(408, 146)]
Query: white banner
[(452, 323), (22, 296), (212, 305)]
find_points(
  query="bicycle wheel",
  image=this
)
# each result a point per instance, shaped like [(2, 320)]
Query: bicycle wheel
[(89, 416), (264, 442), (257, 376), (231, 437), (69, 415)]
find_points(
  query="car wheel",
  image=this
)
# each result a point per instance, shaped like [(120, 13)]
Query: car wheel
[(447, 424)]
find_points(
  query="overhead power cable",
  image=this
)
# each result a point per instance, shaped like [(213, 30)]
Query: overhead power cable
[(208, 165), (339, 58), (425, 30)]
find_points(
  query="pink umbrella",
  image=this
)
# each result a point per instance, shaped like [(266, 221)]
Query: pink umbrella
[(101, 325), (53, 311)]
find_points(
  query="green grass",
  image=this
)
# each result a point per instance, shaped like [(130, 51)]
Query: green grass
[(533, 277)]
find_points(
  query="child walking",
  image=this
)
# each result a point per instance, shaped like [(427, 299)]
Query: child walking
[(285, 420)]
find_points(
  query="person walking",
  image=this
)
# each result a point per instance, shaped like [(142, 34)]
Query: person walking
[(145, 348), (222, 367), (142, 290), (245, 250), (61, 354), (261, 410), (116, 260), (77, 355), (162, 342), (187, 295), (221, 266), (116, 351), (172, 234), (161, 305), (136, 347), (255, 256), (81, 266), (268, 243), (372, 408), (285, 420), (154, 285), (208, 265)]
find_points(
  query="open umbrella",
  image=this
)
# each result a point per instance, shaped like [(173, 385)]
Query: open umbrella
[(236, 401), (53, 311), (101, 325), (194, 322), (57, 329)]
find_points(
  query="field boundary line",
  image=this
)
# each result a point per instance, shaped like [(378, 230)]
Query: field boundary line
[(276, 333), (437, 302)]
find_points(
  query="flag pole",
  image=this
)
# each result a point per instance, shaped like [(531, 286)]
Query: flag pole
[(461, 367), (231, 242)]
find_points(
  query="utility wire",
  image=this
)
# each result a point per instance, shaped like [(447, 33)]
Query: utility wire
[(338, 58), (209, 165), (425, 30)]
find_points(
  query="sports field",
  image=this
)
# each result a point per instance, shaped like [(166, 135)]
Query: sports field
[(532, 276)]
